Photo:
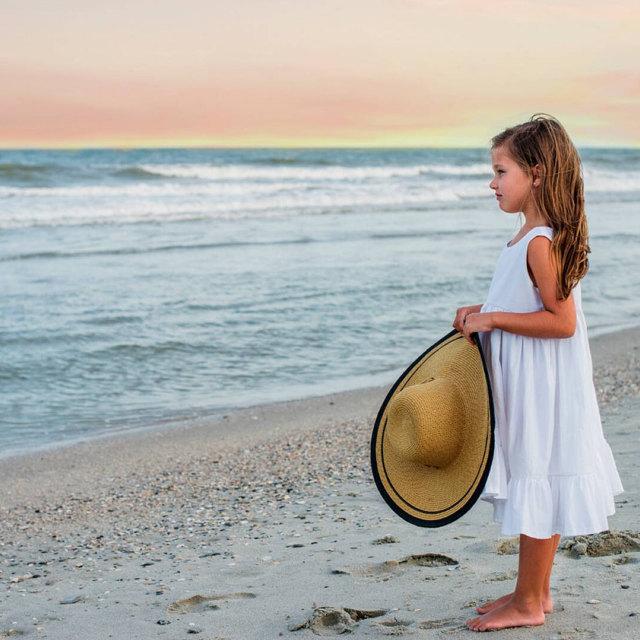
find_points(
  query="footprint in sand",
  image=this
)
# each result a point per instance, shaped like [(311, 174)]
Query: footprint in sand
[(335, 620), (393, 566), (429, 560), (444, 623), (205, 603), (394, 626)]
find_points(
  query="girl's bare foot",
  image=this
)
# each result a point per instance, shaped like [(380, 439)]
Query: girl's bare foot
[(547, 603), (510, 614)]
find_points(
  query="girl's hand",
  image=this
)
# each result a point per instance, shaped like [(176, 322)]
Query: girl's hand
[(474, 322), (462, 313)]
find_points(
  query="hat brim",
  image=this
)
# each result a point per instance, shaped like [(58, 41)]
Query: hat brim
[(426, 496)]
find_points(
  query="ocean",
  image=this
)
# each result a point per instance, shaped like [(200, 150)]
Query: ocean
[(155, 285)]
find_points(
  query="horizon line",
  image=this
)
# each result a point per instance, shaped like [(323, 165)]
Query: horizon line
[(271, 147)]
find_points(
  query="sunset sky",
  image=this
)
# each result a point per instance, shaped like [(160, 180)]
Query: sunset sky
[(300, 73)]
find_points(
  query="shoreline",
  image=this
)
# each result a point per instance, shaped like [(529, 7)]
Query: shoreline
[(236, 416), (66, 468)]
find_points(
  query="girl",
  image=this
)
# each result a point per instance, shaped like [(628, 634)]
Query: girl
[(552, 472)]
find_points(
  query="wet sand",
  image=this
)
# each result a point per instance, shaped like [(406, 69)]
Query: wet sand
[(266, 523)]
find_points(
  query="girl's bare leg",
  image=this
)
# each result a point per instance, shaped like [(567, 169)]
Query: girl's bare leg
[(547, 602), (524, 608)]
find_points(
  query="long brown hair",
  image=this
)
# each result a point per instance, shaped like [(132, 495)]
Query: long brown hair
[(544, 141)]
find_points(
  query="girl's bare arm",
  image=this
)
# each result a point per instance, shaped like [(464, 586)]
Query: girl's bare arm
[(558, 319), (537, 324)]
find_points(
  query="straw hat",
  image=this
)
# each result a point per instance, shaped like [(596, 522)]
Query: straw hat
[(432, 443)]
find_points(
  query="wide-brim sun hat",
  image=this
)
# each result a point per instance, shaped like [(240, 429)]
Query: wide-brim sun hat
[(433, 438)]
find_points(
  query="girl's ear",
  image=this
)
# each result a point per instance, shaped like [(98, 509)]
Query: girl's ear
[(536, 175)]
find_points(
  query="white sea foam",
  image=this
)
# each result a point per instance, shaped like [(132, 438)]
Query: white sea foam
[(234, 191), (322, 173), (129, 210)]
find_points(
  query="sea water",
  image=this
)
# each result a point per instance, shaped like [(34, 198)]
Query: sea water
[(139, 286)]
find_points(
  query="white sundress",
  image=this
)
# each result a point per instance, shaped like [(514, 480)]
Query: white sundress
[(552, 469)]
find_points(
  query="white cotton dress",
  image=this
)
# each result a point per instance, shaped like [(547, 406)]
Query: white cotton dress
[(552, 470)]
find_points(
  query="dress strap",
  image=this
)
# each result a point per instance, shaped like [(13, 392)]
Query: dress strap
[(532, 233), (539, 231)]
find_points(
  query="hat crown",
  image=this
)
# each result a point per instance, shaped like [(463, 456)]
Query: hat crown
[(426, 422)]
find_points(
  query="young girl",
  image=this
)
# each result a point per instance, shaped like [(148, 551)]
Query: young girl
[(552, 472)]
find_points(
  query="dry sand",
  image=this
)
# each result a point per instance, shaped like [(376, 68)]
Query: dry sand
[(266, 523)]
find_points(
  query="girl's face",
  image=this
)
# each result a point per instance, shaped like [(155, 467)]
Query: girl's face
[(511, 184)]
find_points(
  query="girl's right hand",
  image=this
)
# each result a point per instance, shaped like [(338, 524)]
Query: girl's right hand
[(461, 314)]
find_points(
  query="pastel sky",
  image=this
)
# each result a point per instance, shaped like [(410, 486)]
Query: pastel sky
[(238, 73)]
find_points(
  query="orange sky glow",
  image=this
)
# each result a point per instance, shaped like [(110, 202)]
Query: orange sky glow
[(285, 73)]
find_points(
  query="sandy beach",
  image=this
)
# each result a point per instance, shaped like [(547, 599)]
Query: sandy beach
[(266, 523)]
